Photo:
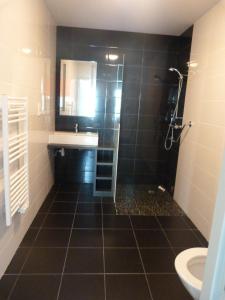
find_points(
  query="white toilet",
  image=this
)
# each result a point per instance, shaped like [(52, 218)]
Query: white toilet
[(190, 265)]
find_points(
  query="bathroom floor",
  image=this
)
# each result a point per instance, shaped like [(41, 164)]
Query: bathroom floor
[(79, 248)]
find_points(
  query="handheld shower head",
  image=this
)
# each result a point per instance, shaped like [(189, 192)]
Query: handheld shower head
[(178, 72)]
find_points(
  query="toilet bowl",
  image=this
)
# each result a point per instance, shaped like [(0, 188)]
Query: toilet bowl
[(190, 265)]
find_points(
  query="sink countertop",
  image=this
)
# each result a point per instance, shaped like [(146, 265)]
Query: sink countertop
[(73, 140), (66, 146)]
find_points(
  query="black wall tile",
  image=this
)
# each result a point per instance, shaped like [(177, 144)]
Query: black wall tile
[(131, 90), (113, 105), (145, 90), (132, 57), (129, 122), (150, 122), (125, 166), (159, 59), (132, 73), (161, 43), (127, 136), (129, 105), (149, 138), (146, 152), (127, 151)]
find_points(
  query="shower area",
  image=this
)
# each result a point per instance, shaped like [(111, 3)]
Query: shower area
[(151, 127), (152, 79)]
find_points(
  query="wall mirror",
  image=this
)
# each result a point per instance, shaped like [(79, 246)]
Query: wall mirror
[(77, 88)]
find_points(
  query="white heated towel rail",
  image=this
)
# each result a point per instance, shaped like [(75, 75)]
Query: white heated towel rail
[(15, 155)]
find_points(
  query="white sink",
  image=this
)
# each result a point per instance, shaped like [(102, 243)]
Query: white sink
[(72, 138)]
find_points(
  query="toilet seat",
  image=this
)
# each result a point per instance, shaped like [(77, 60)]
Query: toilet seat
[(181, 265)]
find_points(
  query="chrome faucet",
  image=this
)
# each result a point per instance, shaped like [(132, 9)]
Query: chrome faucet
[(76, 128)]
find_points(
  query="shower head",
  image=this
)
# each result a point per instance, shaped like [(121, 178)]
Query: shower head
[(178, 72)]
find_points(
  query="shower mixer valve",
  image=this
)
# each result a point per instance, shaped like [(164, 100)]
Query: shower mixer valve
[(178, 126)]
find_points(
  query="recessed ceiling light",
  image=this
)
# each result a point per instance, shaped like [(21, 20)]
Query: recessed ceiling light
[(112, 57)]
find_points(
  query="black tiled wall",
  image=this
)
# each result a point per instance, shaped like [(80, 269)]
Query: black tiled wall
[(172, 156), (145, 89), (92, 45)]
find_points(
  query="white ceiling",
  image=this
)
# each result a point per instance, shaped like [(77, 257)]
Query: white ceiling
[(147, 16)]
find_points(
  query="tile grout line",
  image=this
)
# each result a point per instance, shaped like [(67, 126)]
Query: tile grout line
[(193, 231), (164, 233), (88, 274), (67, 248), (103, 249), (142, 263), (31, 247)]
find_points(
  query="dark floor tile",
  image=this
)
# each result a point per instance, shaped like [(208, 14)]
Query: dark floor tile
[(132, 287), (119, 238), (123, 261), (178, 250), (88, 221), (52, 238), (89, 198), (144, 222), (86, 188), (158, 260), (173, 222), (69, 188), (63, 207), (151, 238), (46, 205), (201, 238), (86, 238), (38, 220), (6, 284), (17, 261), (108, 200), (66, 197), (82, 287), (182, 238), (29, 237), (108, 209), (89, 208), (45, 260), (58, 221), (53, 191), (167, 287), (84, 260), (189, 222), (36, 287), (113, 221)]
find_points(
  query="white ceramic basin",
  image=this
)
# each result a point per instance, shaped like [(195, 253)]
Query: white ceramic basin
[(72, 138)]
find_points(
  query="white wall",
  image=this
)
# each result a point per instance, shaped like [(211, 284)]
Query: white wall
[(27, 26), (201, 151)]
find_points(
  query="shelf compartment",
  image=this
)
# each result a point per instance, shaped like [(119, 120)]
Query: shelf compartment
[(104, 170), (103, 185), (105, 156)]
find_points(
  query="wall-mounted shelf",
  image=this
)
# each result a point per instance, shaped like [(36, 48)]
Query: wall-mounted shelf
[(105, 171), (104, 164)]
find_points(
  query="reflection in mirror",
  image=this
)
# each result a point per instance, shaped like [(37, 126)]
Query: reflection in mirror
[(78, 88)]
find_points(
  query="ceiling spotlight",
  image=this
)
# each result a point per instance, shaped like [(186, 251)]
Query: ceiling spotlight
[(112, 57)]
